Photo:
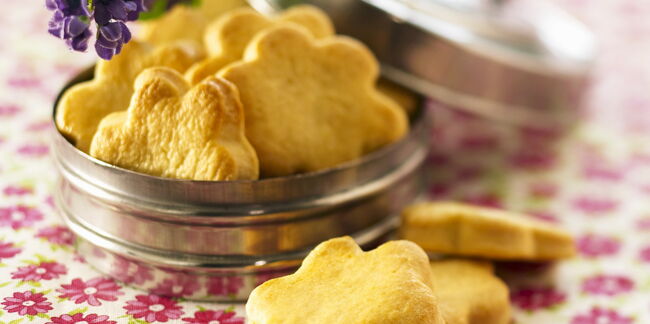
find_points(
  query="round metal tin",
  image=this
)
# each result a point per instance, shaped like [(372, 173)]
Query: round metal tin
[(153, 232)]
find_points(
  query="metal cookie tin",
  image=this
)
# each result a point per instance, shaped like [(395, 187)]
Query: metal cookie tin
[(209, 240)]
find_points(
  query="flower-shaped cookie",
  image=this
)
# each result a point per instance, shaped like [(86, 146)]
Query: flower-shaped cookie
[(339, 283), (406, 99), (173, 131), (185, 22), (83, 106), (227, 37), (460, 229), (469, 293), (312, 104)]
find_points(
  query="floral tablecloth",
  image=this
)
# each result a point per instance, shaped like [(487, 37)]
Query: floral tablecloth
[(594, 181)]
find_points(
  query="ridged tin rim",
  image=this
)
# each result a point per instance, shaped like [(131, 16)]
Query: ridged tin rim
[(196, 195)]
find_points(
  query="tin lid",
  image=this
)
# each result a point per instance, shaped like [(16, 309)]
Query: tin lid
[(524, 62)]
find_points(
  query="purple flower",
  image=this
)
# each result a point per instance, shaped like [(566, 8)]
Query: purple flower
[(107, 11), (72, 20), (69, 7), (111, 38), (69, 22)]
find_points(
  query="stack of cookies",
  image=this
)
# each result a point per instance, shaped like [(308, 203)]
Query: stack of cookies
[(396, 283), (256, 97)]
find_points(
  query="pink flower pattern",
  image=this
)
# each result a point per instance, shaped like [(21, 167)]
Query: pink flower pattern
[(34, 150), (537, 298), (644, 254), (607, 285), (16, 191), (593, 246), (223, 286), (41, 271), (266, 276), (153, 308), (595, 206), (214, 317), (534, 160), (57, 234), (544, 216), (487, 200), (479, 142), (130, 272), (178, 286), (19, 216), (643, 224), (39, 126), (8, 110), (91, 291), (603, 173), (26, 303), (8, 250), (543, 190), (599, 315), (80, 318)]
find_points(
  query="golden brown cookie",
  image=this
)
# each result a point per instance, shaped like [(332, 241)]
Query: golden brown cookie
[(185, 22), (170, 130), (339, 283), (312, 104), (407, 99), (83, 106), (469, 293), (227, 37), (461, 229)]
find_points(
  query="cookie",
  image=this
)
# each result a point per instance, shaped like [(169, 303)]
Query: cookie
[(83, 106), (227, 37), (404, 97), (339, 283), (461, 229), (469, 293), (312, 104), (185, 22), (172, 130)]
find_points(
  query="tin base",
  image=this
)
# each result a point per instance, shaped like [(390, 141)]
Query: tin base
[(196, 277)]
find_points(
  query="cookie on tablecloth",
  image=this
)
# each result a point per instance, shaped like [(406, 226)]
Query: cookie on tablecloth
[(84, 105), (339, 283), (172, 130), (312, 104), (469, 293), (461, 229)]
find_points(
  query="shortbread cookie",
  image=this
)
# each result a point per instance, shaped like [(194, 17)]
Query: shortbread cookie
[(404, 97), (83, 106), (170, 130), (469, 293), (227, 37), (460, 229), (312, 104), (339, 283), (185, 22)]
